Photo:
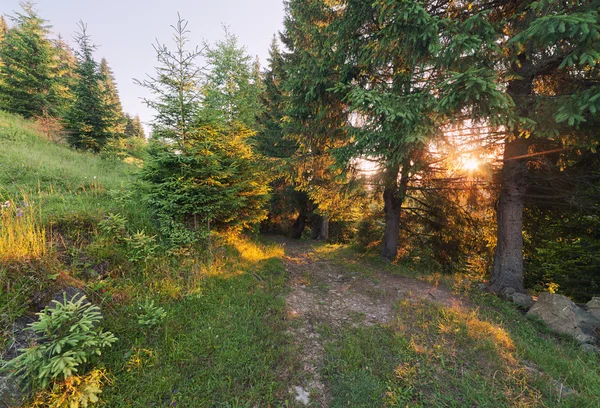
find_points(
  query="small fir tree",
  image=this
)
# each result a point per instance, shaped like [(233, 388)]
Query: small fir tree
[(233, 85), (88, 120), (202, 173)]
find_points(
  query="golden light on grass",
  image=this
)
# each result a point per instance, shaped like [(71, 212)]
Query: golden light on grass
[(21, 233)]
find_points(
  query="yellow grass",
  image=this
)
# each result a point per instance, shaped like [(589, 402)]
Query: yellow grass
[(21, 233)]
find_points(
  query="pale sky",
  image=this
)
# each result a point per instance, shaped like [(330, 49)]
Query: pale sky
[(124, 30)]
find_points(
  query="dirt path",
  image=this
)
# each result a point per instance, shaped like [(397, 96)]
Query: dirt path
[(323, 291)]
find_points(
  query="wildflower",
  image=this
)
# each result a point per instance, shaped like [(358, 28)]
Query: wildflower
[(6, 204), (19, 213)]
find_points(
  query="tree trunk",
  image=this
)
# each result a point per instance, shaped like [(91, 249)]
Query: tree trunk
[(393, 197), (324, 232), (508, 258), (298, 227), (315, 226), (507, 271)]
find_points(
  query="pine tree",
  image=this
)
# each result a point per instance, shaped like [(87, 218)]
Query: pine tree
[(89, 119), (28, 74), (202, 173), (553, 50), (66, 74), (3, 28), (176, 88), (316, 116), (407, 69), (233, 85), (133, 127), (109, 88)]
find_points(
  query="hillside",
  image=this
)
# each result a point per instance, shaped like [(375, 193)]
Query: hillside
[(273, 322)]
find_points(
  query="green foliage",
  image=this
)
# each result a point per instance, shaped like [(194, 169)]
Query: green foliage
[(216, 181), (113, 227), (91, 119), (140, 247), (29, 75), (108, 89), (68, 337), (133, 127), (175, 86), (201, 169), (233, 84), (150, 316)]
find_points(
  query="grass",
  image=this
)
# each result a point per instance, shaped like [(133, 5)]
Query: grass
[(223, 340), (486, 355), (64, 181), (21, 234), (223, 343)]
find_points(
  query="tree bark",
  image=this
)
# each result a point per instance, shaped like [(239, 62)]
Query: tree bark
[(508, 259), (324, 232), (298, 227), (393, 197), (507, 271)]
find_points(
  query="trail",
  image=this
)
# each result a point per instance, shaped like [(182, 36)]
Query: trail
[(323, 291)]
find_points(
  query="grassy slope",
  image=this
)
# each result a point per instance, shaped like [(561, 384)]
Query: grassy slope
[(221, 341)]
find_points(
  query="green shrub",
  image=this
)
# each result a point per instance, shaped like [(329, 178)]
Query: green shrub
[(150, 316), (68, 337), (113, 227), (140, 247)]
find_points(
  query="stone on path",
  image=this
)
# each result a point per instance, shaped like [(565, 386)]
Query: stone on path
[(302, 396)]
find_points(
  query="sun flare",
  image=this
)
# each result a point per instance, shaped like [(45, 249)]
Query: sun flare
[(470, 164)]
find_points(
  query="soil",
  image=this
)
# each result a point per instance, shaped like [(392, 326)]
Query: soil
[(323, 292)]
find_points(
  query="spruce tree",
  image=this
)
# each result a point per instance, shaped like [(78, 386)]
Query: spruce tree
[(89, 119), (108, 87), (66, 73), (552, 50), (3, 28), (316, 116), (28, 74), (407, 69), (233, 85), (202, 172), (133, 127)]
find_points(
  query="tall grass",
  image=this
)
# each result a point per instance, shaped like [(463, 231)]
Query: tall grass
[(21, 233)]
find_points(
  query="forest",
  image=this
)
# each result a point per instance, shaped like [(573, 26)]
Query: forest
[(383, 213)]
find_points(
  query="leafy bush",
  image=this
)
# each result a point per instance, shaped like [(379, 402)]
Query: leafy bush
[(68, 337), (150, 316)]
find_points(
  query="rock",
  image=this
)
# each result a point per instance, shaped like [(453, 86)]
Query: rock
[(69, 293), (507, 293), (302, 396), (593, 307), (563, 316), (22, 337), (590, 348), (10, 393), (522, 300)]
